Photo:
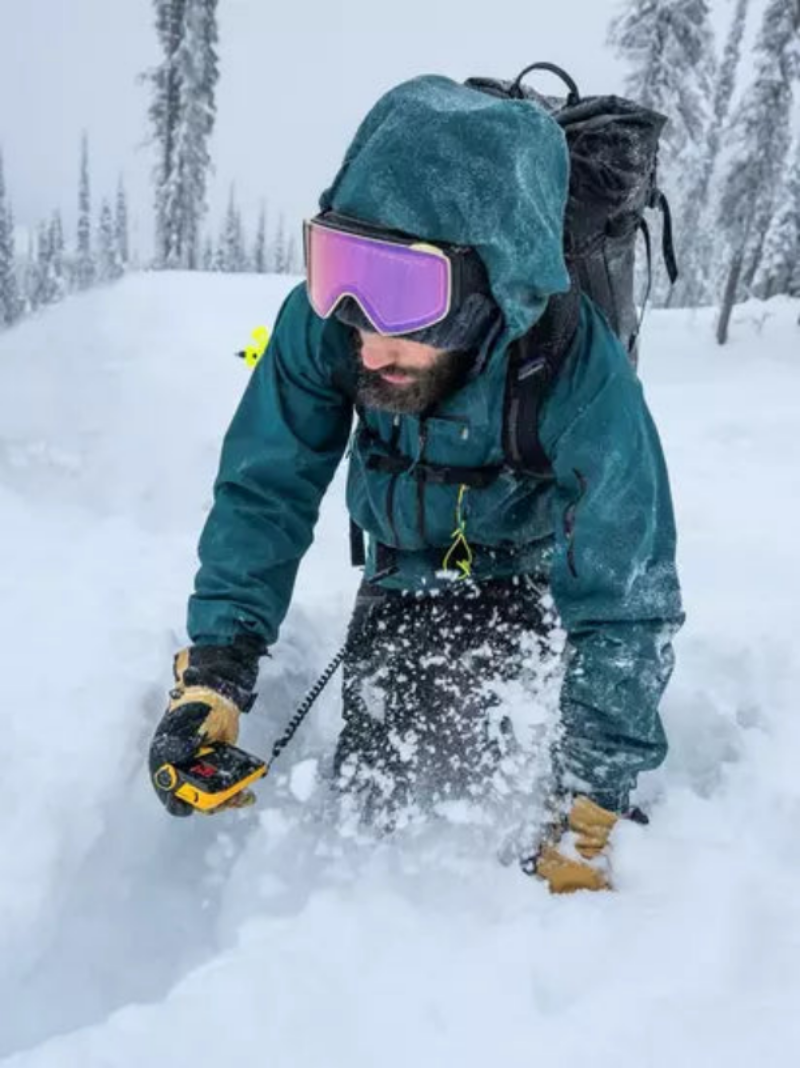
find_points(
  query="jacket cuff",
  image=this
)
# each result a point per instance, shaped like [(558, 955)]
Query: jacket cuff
[(617, 801)]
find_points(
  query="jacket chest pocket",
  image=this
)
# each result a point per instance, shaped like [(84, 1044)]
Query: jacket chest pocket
[(451, 441)]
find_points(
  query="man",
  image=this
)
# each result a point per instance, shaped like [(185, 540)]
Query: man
[(437, 246)]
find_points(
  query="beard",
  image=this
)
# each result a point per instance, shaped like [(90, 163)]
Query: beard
[(421, 391)]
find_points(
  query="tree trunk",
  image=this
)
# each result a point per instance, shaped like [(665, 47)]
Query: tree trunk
[(729, 298)]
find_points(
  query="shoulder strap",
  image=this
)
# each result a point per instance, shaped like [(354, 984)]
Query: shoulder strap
[(534, 362)]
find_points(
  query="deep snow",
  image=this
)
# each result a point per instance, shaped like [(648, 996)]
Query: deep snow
[(127, 938)]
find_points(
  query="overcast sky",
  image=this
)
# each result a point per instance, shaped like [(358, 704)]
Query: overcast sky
[(296, 78)]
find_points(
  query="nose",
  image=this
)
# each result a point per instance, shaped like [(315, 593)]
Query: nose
[(376, 353)]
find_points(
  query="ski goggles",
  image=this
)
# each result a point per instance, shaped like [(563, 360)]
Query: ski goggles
[(400, 283)]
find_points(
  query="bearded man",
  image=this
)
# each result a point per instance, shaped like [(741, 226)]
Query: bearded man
[(438, 247)]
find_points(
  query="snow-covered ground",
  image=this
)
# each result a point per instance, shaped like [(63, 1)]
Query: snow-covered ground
[(127, 938)]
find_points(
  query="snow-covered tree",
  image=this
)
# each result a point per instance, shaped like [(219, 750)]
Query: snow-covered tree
[(292, 258), (208, 254), (200, 76), (232, 241), (279, 249), (794, 281), (109, 265), (37, 277), (260, 244), (697, 226), (760, 136), (777, 270), (669, 47), (121, 226), (183, 112), (58, 256), (84, 262), (10, 309), (45, 279), (166, 114)]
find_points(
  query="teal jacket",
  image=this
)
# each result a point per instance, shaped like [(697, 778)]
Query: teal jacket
[(601, 529)]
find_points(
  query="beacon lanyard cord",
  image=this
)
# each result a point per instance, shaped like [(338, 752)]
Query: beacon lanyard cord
[(306, 705)]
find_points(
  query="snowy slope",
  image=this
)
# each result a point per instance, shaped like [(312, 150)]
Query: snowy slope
[(127, 938)]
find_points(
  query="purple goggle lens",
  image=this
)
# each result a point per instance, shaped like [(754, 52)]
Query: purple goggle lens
[(399, 287)]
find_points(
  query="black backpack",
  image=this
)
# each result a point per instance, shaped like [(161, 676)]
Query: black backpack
[(613, 148)]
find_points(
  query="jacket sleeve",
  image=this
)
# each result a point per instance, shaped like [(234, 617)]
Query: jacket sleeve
[(278, 458), (615, 585)]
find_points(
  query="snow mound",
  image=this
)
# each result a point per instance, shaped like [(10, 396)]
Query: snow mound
[(129, 939)]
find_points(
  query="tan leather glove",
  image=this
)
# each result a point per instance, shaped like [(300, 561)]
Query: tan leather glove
[(576, 857), (222, 711), (213, 686)]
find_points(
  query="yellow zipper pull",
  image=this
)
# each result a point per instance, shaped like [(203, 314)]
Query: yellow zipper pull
[(459, 556)]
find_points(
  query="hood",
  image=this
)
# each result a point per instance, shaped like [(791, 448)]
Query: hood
[(446, 162)]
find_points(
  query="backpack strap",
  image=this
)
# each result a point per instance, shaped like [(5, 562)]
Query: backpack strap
[(358, 549), (660, 202), (534, 363)]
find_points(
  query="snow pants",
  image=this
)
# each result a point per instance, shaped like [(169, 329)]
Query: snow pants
[(422, 678)]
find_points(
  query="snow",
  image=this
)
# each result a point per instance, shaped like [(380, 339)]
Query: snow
[(303, 779), (127, 938)]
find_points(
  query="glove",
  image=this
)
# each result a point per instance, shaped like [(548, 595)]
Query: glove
[(213, 686), (576, 855)]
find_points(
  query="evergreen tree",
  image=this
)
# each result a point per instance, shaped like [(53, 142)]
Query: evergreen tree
[(232, 242), (58, 257), (183, 112), (279, 250), (121, 226), (760, 136), (109, 267), (40, 275), (292, 259), (10, 309), (200, 75), (260, 245), (45, 286), (165, 115), (794, 282), (30, 277), (84, 262), (669, 45), (30, 280), (696, 238), (208, 255), (777, 270)]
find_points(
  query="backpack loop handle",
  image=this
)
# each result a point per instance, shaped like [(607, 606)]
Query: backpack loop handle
[(574, 96)]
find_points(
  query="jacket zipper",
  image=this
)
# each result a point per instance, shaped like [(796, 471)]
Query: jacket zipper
[(423, 441), (390, 505), (390, 492)]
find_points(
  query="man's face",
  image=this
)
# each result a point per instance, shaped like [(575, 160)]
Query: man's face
[(404, 376)]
